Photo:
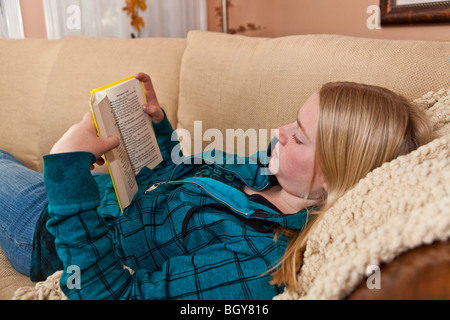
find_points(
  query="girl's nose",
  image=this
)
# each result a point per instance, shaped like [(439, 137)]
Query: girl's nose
[(280, 133)]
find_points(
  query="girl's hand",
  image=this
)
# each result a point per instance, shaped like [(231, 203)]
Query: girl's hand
[(152, 108), (83, 137)]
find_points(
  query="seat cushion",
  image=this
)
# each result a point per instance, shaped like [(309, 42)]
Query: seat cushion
[(10, 279)]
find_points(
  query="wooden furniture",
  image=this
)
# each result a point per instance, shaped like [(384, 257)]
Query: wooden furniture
[(419, 274)]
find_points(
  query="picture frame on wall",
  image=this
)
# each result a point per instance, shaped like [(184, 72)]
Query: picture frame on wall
[(414, 11)]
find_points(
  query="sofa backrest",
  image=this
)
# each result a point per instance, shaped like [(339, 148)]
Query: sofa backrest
[(237, 82), (25, 68), (225, 81)]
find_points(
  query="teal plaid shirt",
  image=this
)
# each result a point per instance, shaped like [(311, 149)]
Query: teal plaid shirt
[(193, 235)]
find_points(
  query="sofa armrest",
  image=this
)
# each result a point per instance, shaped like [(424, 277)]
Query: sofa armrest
[(419, 274)]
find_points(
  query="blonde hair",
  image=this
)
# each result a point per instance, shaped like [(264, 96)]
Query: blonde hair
[(359, 128)]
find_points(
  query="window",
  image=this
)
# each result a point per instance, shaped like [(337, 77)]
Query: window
[(105, 18), (11, 25)]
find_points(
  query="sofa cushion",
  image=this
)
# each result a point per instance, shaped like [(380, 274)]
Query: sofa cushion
[(231, 81), (10, 279), (85, 63), (26, 66)]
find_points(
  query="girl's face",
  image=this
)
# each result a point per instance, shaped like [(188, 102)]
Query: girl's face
[(293, 159)]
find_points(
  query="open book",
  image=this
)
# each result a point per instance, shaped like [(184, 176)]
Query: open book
[(117, 111)]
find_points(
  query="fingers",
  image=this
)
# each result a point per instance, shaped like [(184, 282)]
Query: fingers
[(88, 121), (142, 76), (100, 161), (87, 117), (107, 143), (152, 108), (155, 113), (83, 137), (148, 88), (110, 143)]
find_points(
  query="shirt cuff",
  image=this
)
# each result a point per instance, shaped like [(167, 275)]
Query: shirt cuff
[(68, 180)]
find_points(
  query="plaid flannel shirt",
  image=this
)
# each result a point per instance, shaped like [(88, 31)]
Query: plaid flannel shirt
[(193, 235)]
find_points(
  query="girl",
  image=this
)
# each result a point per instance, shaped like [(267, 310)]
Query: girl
[(198, 231)]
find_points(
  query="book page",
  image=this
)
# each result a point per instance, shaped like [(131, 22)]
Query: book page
[(127, 99), (118, 162)]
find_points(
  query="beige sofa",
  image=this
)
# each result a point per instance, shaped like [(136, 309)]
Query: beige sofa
[(232, 82)]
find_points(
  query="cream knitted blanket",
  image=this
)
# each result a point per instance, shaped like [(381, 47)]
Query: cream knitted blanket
[(402, 205)]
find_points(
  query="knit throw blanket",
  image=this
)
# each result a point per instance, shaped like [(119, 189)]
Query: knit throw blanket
[(397, 207)]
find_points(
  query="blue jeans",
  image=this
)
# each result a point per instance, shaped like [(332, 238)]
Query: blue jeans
[(22, 199)]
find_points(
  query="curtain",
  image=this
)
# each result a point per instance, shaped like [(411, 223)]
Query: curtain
[(105, 18), (11, 25)]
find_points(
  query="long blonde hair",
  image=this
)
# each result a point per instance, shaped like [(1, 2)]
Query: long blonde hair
[(360, 127)]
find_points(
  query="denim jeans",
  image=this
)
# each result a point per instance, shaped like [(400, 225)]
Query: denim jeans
[(22, 199)]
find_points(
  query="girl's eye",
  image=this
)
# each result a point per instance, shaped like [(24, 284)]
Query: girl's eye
[(297, 140)]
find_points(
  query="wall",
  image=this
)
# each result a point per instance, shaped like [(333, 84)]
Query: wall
[(283, 17), (347, 17), (33, 18)]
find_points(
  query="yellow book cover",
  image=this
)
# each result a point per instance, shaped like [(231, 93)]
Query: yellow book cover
[(117, 111)]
